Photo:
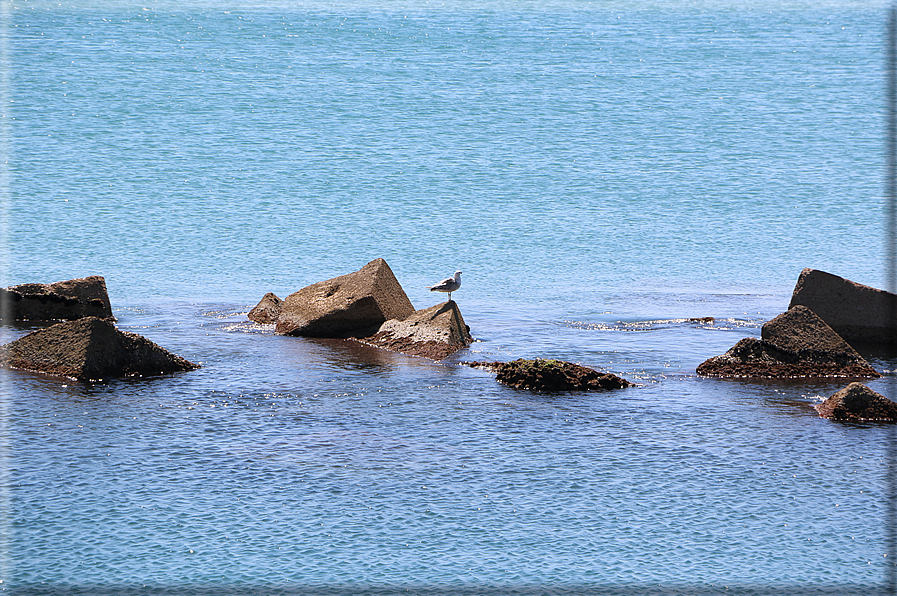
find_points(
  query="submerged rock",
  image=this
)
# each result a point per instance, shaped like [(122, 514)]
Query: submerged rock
[(267, 310), (90, 349), (356, 304), (856, 403), (551, 375), (796, 343), (64, 300), (434, 332), (856, 312)]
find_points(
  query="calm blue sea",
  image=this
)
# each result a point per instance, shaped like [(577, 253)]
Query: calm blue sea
[(600, 171)]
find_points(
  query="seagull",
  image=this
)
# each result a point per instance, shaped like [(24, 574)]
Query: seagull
[(449, 284)]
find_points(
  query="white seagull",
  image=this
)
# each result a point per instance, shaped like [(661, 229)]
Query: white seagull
[(449, 284)]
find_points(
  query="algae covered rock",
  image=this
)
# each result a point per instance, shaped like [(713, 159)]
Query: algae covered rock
[(856, 403), (551, 375)]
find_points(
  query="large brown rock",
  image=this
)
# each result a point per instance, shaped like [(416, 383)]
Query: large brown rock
[(856, 312), (551, 375), (352, 305), (802, 331), (267, 310), (796, 343), (63, 300), (856, 403), (90, 349), (434, 332)]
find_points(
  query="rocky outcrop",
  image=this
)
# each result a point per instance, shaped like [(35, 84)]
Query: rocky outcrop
[(434, 332), (90, 349), (551, 375), (267, 310), (796, 343), (857, 403), (63, 300), (352, 305), (856, 312), (801, 331)]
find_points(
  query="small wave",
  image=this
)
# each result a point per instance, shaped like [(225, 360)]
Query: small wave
[(130, 309), (247, 327), (223, 313), (657, 324)]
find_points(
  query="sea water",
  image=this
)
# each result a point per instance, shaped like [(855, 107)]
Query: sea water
[(601, 172)]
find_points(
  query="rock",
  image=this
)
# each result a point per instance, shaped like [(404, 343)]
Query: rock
[(796, 343), (856, 403), (90, 349), (856, 312), (754, 358), (434, 332), (551, 375), (66, 300), (267, 310), (352, 305), (801, 331)]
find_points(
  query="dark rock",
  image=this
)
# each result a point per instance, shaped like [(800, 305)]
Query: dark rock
[(63, 300), (796, 343), (801, 331), (755, 358), (856, 403), (856, 312), (551, 375), (705, 320), (434, 332), (267, 310), (352, 305), (90, 349)]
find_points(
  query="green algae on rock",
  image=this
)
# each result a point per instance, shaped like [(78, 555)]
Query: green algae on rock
[(551, 375)]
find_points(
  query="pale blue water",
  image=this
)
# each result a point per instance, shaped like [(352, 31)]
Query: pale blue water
[(599, 171)]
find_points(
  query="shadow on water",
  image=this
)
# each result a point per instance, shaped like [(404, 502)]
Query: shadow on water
[(346, 355), (105, 390), (793, 395), (349, 354), (882, 357), (332, 353)]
